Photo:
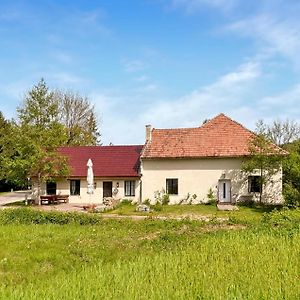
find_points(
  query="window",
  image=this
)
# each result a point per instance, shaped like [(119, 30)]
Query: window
[(254, 184), (51, 188), (75, 187), (172, 186), (130, 188)]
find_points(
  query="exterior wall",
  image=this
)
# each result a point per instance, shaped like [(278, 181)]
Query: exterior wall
[(197, 176), (63, 188)]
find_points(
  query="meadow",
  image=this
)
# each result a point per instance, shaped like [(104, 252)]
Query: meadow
[(80, 256)]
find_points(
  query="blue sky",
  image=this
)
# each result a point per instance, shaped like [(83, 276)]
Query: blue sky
[(169, 63)]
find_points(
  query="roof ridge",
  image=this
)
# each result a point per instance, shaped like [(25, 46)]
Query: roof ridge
[(101, 146), (178, 128)]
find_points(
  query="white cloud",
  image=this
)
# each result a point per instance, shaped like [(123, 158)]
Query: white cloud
[(90, 21), (285, 103), (224, 95), (221, 96), (65, 78), (62, 57), (134, 65), (141, 78), (149, 88), (276, 35)]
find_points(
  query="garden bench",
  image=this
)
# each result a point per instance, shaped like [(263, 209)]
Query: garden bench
[(62, 198), (54, 199)]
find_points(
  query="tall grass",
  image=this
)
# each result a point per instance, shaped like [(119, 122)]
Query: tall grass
[(151, 260)]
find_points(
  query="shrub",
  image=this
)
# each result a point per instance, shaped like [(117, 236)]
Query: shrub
[(32, 216), (165, 199), (285, 218), (157, 207), (146, 201), (161, 197), (211, 197), (291, 195), (126, 201)]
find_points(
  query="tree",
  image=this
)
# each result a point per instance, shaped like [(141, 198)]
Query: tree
[(46, 121), (32, 148), (286, 134), (265, 157), (291, 174), (279, 132), (78, 117), (6, 130)]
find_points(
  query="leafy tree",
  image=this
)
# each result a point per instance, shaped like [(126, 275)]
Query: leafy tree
[(286, 134), (78, 117), (46, 121), (6, 130), (265, 157), (291, 171), (32, 147)]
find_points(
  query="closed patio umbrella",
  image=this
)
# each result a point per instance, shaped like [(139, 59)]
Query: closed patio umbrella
[(90, 177)]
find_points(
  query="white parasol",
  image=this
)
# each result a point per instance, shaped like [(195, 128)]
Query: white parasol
[(90, 177)]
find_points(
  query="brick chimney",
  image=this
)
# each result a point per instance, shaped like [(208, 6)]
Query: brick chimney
[(148, 133)]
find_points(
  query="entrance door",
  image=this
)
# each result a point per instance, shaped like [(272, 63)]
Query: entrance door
[(224, 191), (107, 189), (51, 188)]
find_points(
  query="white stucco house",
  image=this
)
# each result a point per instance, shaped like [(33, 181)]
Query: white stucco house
[(185, 163)]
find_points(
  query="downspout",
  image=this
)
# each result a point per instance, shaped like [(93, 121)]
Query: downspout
[(261, 185), (141, 193)]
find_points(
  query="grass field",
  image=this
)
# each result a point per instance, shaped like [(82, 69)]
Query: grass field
[(243, 214), (149, 259)]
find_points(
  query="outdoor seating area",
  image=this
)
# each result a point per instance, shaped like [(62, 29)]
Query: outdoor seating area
[(54, 199)]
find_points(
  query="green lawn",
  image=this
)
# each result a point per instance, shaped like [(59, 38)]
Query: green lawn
[(149, 259), (243, 214)]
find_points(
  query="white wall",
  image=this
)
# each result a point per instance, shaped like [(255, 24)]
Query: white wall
[(63, 188), (197, 176)]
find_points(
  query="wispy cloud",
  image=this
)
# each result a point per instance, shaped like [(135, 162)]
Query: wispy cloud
[(62, 57), (134, 65), (148, 88), (286, 102), (141, 78), (276, 35), (89, 21), (189, 110), (223, 95), (64, 78)]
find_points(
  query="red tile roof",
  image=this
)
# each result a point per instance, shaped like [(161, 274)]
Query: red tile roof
[(108, 161), (219, 137)]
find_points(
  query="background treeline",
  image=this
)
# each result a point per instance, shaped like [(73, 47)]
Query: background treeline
[(45, 120)]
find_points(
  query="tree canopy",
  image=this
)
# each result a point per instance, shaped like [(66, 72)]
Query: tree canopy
[(78, 117), (44, 123), (287, 135), (265, 158)]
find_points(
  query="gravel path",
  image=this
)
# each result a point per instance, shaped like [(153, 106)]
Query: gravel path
[(12, 197)]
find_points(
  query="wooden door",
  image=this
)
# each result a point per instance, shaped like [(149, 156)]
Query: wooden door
[(107, 189)]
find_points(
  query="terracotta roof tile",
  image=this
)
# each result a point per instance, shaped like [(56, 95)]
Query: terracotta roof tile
[(220, 137), (108, 161)]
